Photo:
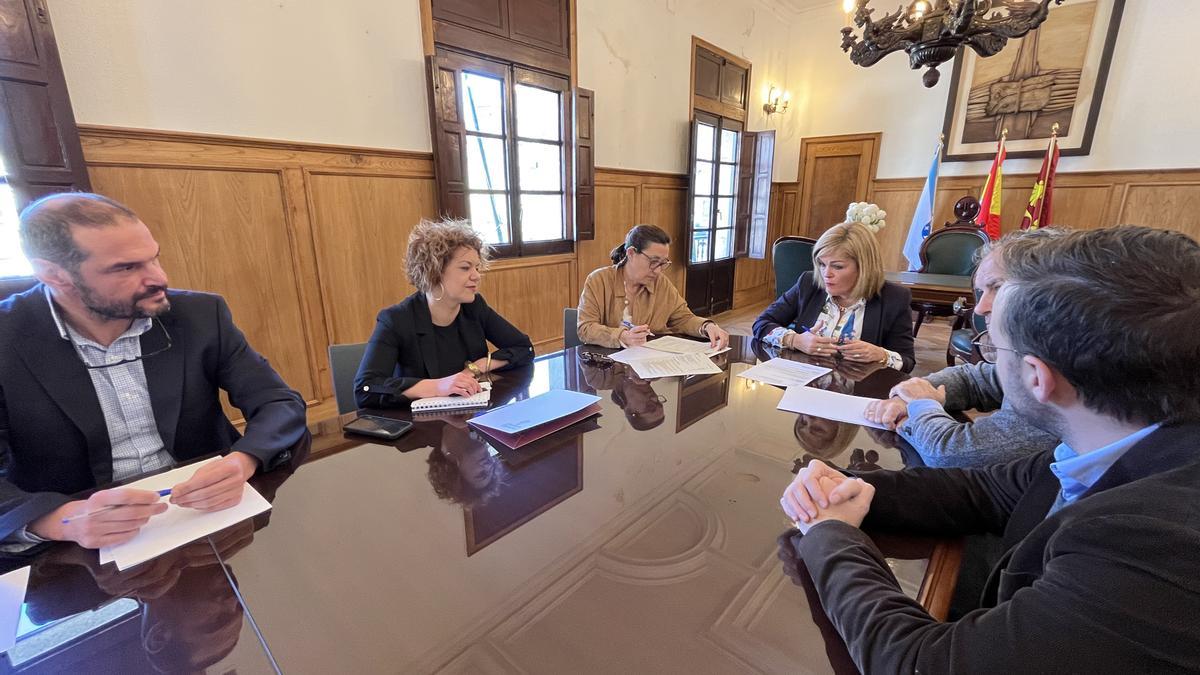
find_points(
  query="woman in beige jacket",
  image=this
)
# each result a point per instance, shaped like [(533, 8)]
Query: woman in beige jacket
[(630, 301)]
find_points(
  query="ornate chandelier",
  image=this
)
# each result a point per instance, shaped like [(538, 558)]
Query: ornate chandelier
[(932, 31)]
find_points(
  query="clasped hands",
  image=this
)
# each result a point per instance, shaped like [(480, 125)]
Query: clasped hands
[(120, 513), (854, 350), (820, 492), (891, 412)]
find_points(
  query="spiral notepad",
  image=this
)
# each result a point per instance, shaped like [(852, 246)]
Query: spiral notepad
[(480, 400)]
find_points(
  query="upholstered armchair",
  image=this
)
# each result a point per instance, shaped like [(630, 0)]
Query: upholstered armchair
[(791, 257)]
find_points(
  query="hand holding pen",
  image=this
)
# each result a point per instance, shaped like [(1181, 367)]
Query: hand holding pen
[(634, 335), (107, 518), (812, 343)]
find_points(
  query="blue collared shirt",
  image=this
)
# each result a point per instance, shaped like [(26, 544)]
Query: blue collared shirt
[(1078, 473)]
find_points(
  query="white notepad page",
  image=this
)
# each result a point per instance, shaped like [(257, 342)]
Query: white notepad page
[(178, 525)]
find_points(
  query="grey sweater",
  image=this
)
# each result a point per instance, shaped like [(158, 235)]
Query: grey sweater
[(1000, 437)]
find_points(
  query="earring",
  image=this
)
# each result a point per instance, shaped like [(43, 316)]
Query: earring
[(436, 298)]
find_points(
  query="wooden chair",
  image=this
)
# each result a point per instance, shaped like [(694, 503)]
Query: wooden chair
[(951, 250)]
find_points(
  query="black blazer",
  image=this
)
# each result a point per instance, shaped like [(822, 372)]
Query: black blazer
[(402, 350), (888, 320), (1107, 584), (53, 438)]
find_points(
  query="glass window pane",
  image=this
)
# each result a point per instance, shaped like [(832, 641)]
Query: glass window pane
[(702, 213), (12, 259), (483, 103), (704, 141), (699, 252), (704, 178), (727, 175), (489, 216), (541, 217), (725, 212), (539, 113), (723, 244), (729, 145), (541, 166), (486, 165)]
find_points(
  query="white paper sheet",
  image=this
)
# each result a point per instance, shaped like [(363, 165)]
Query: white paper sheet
[(177, 525), (674, 365), (784, 373), (828, 404), (12, 596), (677, 345), (631, 354)]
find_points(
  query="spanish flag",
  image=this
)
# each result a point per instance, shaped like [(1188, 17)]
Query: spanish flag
[(989, 202), (1037, 213)]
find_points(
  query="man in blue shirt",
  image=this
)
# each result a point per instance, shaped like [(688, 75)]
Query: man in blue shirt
[(1094, 340)]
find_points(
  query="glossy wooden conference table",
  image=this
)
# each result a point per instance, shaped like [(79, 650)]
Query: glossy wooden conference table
[(643, 540)]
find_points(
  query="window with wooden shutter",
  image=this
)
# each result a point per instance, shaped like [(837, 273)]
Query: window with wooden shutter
[(585, 166), (39, 144), (503, 152)]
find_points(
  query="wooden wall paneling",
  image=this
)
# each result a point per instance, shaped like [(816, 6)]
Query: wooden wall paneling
[(900, 202), (361, 225), (834, 171), (1167, 204), (666, 207), (226, 232), (1083, 200), (531, 292), (304, 254)]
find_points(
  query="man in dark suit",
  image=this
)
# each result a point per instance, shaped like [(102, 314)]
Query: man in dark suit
[(1094, 338), (107, 375)]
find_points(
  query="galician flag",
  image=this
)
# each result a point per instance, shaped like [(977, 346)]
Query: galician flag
[(922, 222), (1037, 213), (989, 202)]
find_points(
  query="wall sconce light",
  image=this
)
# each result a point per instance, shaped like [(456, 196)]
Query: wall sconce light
[(777, 101)]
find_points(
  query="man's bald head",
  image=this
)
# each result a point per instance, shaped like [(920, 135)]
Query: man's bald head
[(46, 225)]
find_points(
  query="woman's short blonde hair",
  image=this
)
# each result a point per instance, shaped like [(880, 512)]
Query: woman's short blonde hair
[(431, 246), (857, 242)]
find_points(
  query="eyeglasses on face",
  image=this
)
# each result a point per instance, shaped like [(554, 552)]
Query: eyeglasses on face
[(988, 349), (657, 263)]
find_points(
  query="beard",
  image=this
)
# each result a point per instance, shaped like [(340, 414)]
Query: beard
[(1023, 403), (109, 309)]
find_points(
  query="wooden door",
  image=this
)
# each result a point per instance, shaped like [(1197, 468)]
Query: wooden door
[(834, 171), (38, 138)]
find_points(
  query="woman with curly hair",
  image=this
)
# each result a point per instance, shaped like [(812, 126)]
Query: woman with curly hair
[(435, 342)]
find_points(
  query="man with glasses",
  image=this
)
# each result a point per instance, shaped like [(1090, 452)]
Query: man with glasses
[(1092, 337), (108, 375), (918, 408)]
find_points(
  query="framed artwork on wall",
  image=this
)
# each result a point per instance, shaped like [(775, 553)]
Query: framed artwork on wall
[(1053, 75)]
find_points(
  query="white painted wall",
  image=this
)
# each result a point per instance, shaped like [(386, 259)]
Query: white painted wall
[(352, 73), (636, 55), (349, 72), (1147, 118)]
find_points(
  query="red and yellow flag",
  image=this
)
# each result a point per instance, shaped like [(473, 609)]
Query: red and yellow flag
[(989, 202), (1037, 213)]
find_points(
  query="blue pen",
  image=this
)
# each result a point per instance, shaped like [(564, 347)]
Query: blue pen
[(80, 516), (629, 326)]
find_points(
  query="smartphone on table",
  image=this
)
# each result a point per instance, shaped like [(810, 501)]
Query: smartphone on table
[(378, 426)]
